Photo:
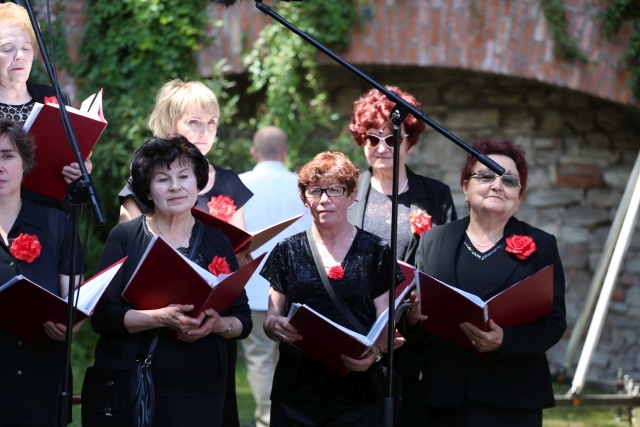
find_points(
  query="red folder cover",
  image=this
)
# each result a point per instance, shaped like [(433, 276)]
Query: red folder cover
[(165, 277), (43, 305), (239, 238), (448, 307), (53, 150), (325, 340)]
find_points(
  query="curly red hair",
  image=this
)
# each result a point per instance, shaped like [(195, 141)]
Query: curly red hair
[(373, 109)]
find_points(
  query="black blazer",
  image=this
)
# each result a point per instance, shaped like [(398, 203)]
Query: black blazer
[(517, 375), (428, 194)]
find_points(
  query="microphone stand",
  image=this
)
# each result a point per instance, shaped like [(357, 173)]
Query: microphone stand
[(399, 113), (397, 117), (79, 191)]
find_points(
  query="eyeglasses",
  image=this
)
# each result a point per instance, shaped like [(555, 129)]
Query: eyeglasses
[(316, 192), (372, 141), (487, 177)]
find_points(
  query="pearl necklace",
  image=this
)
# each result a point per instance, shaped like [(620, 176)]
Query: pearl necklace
[(483, 245), (404, 186)]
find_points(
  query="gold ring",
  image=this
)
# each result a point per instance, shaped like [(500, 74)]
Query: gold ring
[(473, 343), (283, 336)]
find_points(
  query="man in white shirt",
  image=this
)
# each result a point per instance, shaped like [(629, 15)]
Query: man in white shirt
[(275, 198)]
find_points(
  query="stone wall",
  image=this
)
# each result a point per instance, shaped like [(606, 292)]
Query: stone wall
[(580, 150)]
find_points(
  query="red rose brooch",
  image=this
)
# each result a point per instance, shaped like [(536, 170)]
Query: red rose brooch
[(219, 266), (420, 222), (222, 207), (25, 247), (51, 100), (521, 246), (336, 272)]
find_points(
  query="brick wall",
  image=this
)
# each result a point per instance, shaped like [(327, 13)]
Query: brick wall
[(504, 37)]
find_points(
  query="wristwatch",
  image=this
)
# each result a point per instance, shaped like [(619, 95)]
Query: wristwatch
[(229, 329)]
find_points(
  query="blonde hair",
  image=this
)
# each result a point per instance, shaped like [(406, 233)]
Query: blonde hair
[(174, 99), (12, 14)]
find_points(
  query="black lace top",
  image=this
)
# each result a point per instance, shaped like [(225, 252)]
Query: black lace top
[(291, 270)]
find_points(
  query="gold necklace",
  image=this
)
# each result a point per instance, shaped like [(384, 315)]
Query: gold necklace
[(157, 226)]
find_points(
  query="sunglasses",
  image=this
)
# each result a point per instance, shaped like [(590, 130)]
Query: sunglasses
[(316, 192), (487, 177), (372, 141)]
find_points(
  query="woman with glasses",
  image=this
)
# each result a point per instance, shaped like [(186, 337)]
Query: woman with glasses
[(484, 254), (354, 264), (423, 202)]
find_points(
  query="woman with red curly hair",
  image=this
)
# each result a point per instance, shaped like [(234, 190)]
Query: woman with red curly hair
[(423, 202), (485, 254), (356, 266)]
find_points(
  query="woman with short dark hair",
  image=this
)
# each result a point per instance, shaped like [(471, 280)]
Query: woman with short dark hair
[(37, 244), (190, 373)]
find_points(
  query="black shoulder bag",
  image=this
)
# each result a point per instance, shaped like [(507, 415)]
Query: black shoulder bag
[(120, 397)]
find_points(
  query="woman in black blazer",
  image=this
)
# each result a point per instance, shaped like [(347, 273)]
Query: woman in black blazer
[(484, 254)]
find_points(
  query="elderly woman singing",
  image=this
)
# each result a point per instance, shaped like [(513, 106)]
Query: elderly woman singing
[(357, 265), (484, 254)]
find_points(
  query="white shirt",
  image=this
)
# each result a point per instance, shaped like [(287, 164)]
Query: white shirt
[(275, 198)]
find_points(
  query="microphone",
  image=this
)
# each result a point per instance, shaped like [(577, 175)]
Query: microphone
[(227, 3)]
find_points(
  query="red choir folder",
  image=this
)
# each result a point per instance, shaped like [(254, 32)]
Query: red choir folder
[(53, 150), (325, 340), (164, 277), (240, 238), (447, 307), (20, 293)]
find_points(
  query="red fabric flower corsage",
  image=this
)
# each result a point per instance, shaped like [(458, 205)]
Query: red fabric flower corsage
[(420, 222), (222, 207), (219, 266), (336, 272), (51, 100), (25, 247), (521, 246)]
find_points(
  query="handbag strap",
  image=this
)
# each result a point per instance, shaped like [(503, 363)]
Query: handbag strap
[(152, 349), (325, 281)]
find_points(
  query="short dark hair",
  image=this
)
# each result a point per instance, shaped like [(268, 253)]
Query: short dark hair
[(163, 151), (21, 140), (503, 147)]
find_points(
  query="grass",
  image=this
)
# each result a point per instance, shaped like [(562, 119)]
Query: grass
[(567, 416), (555, 417)]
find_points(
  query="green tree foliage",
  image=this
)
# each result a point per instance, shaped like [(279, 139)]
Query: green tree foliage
[(565, 47), (285, 67)]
